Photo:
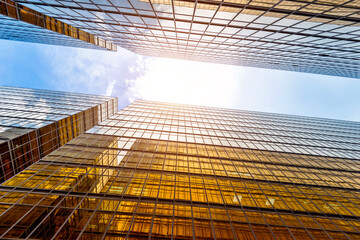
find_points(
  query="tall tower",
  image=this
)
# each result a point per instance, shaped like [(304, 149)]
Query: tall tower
[(171, 171), (35, 122), (305, 36), (21, 23)]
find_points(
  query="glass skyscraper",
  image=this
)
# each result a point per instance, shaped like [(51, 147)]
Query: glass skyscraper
[(305, 36), (21, 23), (172, 171), (34, 122)]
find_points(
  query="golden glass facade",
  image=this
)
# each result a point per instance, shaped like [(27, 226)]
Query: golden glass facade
[(171, 171), (297, 35), (33, 123)]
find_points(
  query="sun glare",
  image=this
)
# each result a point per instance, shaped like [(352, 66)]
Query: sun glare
[(179, 81)]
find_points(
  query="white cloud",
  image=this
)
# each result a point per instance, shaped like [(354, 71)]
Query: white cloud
[(110, 87), (131, 69), (89, 71)]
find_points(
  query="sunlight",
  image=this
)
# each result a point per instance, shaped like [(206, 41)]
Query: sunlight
[(172, 80)]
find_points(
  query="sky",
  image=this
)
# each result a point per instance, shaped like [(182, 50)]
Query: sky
[(129, 76)]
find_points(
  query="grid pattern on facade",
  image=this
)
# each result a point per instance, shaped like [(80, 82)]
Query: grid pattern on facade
[(105, 186), (306, 36), (24, 24), (238, 129), (33, 123)]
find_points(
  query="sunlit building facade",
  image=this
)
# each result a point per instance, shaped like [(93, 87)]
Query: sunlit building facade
[(34, 122), (305, 36), (171, 171)]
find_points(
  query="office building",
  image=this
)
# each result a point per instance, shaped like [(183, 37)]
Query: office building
[(306, 36), (169, 171), (21, 23), (33, 123)]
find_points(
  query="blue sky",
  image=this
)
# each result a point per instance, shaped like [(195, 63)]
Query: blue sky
[(129, 76)]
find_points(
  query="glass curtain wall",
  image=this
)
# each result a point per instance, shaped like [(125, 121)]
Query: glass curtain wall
[(33, 123), (306, 36), (161, 171), (21, 23)]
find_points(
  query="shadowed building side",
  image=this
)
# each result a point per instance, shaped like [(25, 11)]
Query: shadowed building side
[(21, 23)]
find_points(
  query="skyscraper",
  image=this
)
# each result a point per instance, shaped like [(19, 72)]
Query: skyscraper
[(34, 122), (161, 171), (21, 23), (306, 36)]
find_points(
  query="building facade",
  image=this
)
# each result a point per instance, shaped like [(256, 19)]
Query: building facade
[(21, 23), (305, 36), (171, 171), (34, 123)]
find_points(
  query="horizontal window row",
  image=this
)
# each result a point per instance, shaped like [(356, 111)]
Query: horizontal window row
[(148, 107), (159, 220), (216, 152), (263, 124), (260, 144), (208, 167), (184, 126), (51, 94), (250, 194), (243, 133)]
